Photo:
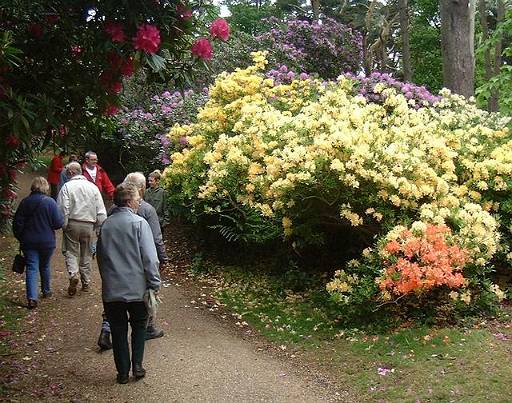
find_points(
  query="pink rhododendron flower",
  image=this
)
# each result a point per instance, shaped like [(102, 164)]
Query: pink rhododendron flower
[(76, 50), (116, 88), (147, 39), (202, 48), (114, 59), (12, 141), (52, 19), (115, 30), (12, 174), (220, 29), (106, 78), (111, 110), (36, 30), (183, 11), (127, 68), (9, 194)]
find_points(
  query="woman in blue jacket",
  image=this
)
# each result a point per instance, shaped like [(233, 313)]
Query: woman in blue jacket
[(34, 225)]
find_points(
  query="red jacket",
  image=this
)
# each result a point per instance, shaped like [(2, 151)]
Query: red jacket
[(102, 180), (55, 169)]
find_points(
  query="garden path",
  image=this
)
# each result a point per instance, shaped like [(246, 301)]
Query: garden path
[(202, 358)]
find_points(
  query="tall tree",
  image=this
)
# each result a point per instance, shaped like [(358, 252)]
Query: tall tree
[(406, 49), (457, 45)]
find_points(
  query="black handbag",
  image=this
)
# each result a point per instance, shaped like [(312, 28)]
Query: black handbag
[(18, 265)]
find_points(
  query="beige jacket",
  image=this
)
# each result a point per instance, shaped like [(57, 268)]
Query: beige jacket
[(81, 200)]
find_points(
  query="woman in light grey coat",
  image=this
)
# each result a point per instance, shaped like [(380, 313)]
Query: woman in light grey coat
[(128, 264)]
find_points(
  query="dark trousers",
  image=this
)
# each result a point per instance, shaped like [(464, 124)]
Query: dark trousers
[(117, 315), (54, 191)]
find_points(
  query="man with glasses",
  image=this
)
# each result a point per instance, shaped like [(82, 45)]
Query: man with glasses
[(94, 173)]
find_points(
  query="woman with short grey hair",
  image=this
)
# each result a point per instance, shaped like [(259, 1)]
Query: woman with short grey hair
[(34, 225), (128, 265)]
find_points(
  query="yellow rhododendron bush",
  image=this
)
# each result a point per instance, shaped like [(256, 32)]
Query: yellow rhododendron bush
[(425, 186)]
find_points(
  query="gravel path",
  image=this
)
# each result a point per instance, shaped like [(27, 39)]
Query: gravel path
[(203, 357)]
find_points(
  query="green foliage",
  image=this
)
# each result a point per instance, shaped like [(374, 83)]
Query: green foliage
[(502, 82), (249, 18), (425, 42)]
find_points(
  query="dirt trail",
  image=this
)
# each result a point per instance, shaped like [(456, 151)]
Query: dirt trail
[(202, 358)]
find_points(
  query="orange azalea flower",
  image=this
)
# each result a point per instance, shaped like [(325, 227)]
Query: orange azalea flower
[(423, 262)]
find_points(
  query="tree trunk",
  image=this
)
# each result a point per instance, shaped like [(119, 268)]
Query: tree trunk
[(315, 6), (406, 49), (457, 45), (498, 60)]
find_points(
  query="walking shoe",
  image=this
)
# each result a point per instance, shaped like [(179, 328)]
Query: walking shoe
[(73, 282), (122, 378), (32, 303), (153, 333), (86, 288), (138, 372), (47, 294), (104, 340)]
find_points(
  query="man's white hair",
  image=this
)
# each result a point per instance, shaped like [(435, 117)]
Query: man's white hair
[(137, 178), (73, 168)]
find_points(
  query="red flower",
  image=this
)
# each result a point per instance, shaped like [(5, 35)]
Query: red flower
[(76, 50), (115, 30), (147, 39), (12, 141), (36, 30), (114, 59), (52, 19), (12, 174), (9, 193), (106, 78), (111, 110), (202, 48), (220, 29), (116, 88), (183, 11), (127, 68)]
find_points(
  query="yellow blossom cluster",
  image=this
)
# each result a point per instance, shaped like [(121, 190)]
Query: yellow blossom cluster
[(313, 152)]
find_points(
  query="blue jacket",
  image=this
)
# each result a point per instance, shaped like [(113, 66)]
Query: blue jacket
[(36, 220)]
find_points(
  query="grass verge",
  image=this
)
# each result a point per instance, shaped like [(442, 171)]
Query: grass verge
[(10, 316), (410, 362)]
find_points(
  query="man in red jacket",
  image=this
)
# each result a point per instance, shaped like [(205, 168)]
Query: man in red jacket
[(54, 171), (97, 175)]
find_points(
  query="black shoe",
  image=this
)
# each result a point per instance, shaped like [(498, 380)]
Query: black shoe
[(73, 282), (104, 340), (47, 294), (32, 303), (139, 372), (152, 333), (122, 378)]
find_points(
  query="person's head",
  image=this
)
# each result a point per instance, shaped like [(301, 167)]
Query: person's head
[(91, 159), (72, 169), (40, 184), (72, 157), (138, 179), (154, 178), (127, 195)]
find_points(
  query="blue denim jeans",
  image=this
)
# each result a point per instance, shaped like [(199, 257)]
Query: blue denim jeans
[(38, 261)]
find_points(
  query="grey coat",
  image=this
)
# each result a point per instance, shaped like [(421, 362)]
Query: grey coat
[(148, 212), (127, 257)]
